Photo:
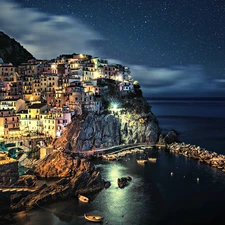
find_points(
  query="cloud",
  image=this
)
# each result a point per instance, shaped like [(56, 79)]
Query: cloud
[(44, 35), (175, 81)]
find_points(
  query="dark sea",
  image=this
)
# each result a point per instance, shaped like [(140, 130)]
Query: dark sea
[(154, 196)]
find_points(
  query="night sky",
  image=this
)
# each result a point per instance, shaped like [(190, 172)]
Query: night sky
[(174, 47)]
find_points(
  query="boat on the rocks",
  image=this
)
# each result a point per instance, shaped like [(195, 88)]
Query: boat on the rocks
[(83, 198), (104, 157), (134, 150), (142, 161), (109, 157), (152, 159), (93, 218)]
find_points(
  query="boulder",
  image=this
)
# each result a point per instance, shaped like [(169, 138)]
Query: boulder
[(107, 184), (161, 140), (124, 181), (171, 137)]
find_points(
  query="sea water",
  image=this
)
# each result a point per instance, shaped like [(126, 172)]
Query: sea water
[(174, 190)]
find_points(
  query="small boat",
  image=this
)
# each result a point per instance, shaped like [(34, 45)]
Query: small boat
[(83, 198), (142, 161), (93, 218), (152, 159)]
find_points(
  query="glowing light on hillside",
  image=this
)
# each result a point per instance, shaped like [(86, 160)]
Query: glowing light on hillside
[(115, 106)]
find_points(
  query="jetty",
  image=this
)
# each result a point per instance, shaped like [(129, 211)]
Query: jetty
[(196, 152)]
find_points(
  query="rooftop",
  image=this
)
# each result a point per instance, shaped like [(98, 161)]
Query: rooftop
[(14, 129), (37, 106), (23, 111), (10, 100), (3, 110)]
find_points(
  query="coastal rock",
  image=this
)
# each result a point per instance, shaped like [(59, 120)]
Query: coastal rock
[(85, 165), (171, 137), (132, 121), (81, 178), (106, 130), (161, 140), (84, 183), (98, 131), (196, 152), (123, 181), (61, 164), (26, 181), (44, 194), (56, 164), (107, 184)]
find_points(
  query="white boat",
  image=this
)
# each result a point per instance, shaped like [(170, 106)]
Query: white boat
[(142, 161), (83, 198), (152, 159), (93, 218)]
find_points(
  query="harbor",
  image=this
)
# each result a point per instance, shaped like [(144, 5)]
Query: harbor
[(152, 195)]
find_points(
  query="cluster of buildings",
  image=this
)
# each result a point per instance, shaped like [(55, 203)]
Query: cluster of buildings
[(40, 96)]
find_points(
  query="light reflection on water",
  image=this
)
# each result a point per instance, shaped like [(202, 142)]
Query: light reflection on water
[(152, 197)]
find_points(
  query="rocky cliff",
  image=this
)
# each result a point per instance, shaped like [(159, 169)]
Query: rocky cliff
[(12, 51), (131, 122), (60, 164)]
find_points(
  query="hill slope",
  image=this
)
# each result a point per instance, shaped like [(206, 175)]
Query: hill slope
[(12, 51)]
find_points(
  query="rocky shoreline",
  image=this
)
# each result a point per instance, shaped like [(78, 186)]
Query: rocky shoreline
[(74, 175), (77, 175), (196, 152)]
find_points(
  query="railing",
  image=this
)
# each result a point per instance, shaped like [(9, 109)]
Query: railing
[(123, 147)]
